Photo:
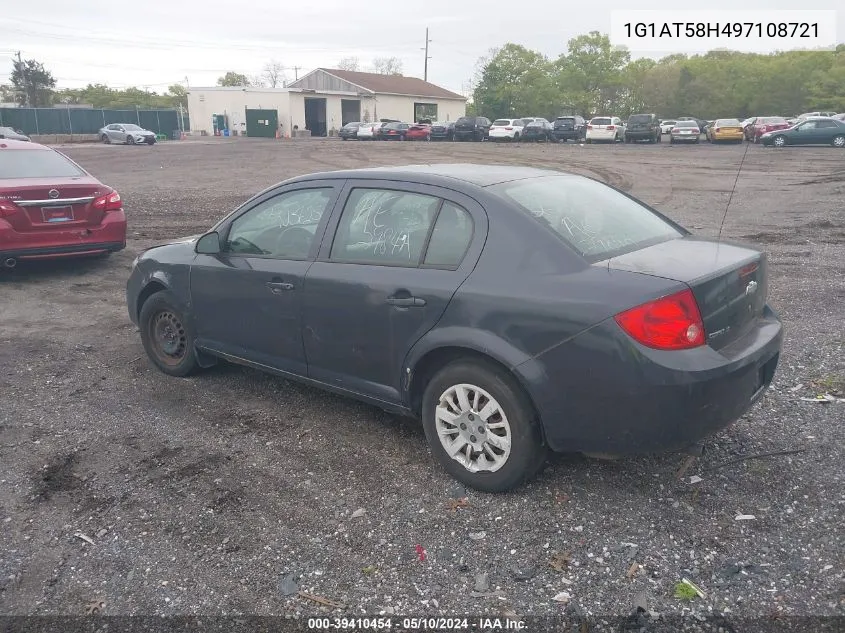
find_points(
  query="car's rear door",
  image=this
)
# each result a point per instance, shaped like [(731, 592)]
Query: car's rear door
[(393, 257), (247, 299)]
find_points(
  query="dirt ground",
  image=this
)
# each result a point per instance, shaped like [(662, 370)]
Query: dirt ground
[(228, 492)]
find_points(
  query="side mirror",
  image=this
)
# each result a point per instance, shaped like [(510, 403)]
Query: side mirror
[(208, 244)]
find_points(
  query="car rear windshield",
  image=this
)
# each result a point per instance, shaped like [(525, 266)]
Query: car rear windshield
[(466, 119), (502, 122), (594, 219), (686, 124), (600, 122), (36, 163), (728, 123), (772, 120), (640, 118)]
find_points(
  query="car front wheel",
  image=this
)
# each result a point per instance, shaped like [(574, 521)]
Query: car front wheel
[(167, 335), (105, 138), (779, 141), (481, 426)]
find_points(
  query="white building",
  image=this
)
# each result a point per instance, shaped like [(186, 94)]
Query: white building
[(321, 101)]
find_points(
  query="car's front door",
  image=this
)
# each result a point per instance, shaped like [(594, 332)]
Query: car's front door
[(246, 300), (805, 134), (391, 262)]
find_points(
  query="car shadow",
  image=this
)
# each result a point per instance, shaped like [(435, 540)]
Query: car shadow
[(56, 269)]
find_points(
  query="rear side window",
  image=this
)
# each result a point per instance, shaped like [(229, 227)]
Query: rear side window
[(36, 163), (384, 227), (594, 219), (450, 238)]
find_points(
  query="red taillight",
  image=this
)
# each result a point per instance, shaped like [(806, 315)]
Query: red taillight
[(676, 130), (716, 129), (669, 323), (611, 127), (108, 202), (7, 208), (589, 127), (508, 128)]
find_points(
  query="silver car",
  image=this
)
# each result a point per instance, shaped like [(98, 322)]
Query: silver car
[(128, 133), (7, 132)]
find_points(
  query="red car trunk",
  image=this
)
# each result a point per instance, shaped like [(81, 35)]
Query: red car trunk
[(45, 204)]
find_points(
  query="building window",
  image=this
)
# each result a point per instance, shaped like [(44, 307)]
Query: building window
[(424, 111)]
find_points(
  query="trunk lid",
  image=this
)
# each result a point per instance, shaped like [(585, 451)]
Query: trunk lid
[(46, 204), (730, 282)]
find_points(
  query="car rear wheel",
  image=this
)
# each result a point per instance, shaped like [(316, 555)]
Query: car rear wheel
[(167, 335), (838, 141), (481, 427)]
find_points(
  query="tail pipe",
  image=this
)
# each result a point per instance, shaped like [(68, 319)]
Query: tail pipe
[(10, 262)]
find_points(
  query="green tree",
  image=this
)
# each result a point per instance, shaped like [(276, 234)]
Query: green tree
[(232, 78), (178, 95), (591, 73), (34, 83), (515, 81)]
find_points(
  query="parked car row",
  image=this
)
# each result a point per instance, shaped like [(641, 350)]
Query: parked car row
[(809, 129)]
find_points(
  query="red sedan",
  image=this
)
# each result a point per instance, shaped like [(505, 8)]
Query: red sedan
[(766, 124), (51, 207), (418, 132)]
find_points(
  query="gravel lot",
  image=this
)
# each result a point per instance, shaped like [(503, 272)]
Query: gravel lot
[(228, 492)]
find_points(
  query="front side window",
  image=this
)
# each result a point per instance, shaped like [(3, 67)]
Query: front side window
[(594, 219), (384, 227), (284, 226)]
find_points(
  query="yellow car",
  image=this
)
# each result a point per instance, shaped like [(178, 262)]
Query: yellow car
[(725, 130)]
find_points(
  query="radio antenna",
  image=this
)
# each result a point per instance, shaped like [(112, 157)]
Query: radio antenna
[(730, 197)]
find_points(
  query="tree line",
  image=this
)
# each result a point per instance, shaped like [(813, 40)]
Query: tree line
[(593, 78), (34, 85)]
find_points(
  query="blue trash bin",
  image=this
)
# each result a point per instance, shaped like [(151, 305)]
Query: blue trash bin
[(226, 132)]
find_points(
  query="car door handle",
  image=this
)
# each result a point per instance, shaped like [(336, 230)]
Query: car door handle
[(406, 302), (278, 286)]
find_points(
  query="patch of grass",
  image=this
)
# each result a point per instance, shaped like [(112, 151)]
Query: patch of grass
[(683, 591)]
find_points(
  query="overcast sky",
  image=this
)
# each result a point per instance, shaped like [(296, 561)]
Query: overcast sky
[(157, 43)]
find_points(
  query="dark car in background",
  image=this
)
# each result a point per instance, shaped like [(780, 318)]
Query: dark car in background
[(643, 127), (472, 128), (50, 207), (394, 131), (621, 334), (350, 130), (810, 131), (569, 128), (537, 130), (442, 131)]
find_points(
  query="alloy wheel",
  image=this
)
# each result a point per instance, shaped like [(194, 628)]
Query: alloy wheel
[(473, 428)]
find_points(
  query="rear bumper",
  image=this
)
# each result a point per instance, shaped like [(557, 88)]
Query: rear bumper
[(466, 134), (108, 236), (602, 392), (685, 137), (641, 134)]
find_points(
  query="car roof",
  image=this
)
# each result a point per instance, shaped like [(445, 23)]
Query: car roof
[(444, 173), (8, 143)]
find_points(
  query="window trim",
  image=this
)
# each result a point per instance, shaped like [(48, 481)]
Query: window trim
[(224, 228), (431, 233)]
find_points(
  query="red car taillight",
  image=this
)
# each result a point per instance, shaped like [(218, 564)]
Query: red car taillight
[(676, 130), (8, 208), (669, 323), (108, 202), (508, 128), (589, 127), (716, 129), (611, 127)]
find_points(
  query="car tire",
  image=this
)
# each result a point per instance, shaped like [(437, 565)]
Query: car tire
[(838, 141), (513, 415), (130, 140), (105, 138), (167, 335), (779, 141), (589, 141), (671, 141)]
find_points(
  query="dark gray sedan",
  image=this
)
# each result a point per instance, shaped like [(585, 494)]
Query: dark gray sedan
[(513, 310)]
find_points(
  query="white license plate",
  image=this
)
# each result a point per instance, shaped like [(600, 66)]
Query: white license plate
[(57, 214), (686, 132)]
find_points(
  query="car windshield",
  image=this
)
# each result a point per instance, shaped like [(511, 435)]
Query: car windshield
[(640, 118), (600, 122), (36, 163), (594, 219), (668, 123), (132, 128), (352, 125)]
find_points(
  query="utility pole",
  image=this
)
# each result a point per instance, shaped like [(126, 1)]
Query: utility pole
[(427, 42), (23, 76)]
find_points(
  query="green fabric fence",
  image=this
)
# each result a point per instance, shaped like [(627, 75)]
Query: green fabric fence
[(87, 121)]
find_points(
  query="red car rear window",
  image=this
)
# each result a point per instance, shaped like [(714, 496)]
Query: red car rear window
[(36, 163)]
